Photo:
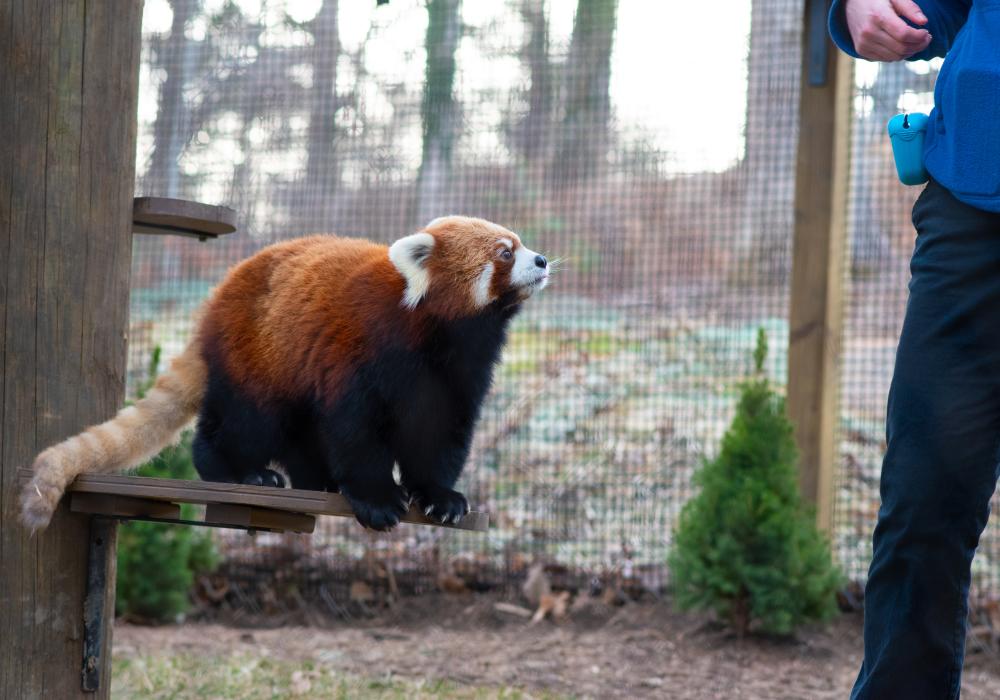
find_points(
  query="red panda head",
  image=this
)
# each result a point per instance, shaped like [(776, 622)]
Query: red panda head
[(457, 266)]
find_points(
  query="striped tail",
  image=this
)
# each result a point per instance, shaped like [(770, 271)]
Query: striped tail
[(126, 441)]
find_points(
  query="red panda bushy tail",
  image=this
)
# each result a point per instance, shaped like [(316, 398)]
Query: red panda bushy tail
[(132, 437)]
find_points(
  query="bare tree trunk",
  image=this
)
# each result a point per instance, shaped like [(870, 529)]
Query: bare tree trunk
[(584, 139), (439, 110), (532, 134), (317, 197), (771, 131), (175, 56)]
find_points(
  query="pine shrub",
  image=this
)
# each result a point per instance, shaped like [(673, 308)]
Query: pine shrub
[(157, 562), (746, 547)]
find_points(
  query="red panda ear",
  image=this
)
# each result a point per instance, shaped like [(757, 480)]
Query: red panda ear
[(409, 256)]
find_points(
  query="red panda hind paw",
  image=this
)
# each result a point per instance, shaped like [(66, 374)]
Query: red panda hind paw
[(381, 511)]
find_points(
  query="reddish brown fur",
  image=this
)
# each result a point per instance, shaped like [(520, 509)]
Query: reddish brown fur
[(299, 317)]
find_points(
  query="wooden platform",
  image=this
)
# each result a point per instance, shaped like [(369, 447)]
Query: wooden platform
[(226, 505), (179, 217)]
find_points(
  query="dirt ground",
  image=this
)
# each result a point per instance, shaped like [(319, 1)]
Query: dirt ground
[(638, 650)]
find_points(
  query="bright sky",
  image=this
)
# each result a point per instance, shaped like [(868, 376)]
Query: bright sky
[(678, 67)]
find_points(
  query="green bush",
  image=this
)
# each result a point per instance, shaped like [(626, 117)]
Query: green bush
[(157, 563), (746, 547)]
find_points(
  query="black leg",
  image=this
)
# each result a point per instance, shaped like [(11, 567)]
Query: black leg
[(211, 464), (378, 501), (361, 466), (306, 468), (216, 461)]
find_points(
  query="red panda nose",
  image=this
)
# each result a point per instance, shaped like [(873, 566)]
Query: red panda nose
[(540, 261)]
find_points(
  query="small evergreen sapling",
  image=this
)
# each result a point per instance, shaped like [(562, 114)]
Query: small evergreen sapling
[(745, 546)]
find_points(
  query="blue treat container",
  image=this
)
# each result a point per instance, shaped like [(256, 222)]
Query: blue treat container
[(906, 133)]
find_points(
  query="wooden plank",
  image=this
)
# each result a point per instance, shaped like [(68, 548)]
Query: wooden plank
[(68, 100), (815, 316), (204, 492), (122, 506), (254, 518), (181, 217)]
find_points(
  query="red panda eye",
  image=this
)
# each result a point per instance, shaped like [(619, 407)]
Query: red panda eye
[(506, 254)]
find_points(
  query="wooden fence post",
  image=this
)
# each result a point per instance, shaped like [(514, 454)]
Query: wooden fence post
[(815, 316), (68, 97)]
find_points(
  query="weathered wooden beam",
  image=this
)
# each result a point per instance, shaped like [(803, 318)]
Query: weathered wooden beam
[(207, 492), (255, 518), (68, 97), (113, 505), (815, 316)]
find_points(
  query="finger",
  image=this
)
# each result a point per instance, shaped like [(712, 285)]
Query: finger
[(904, 50), (899, 30), (875, 51), (889, 50), (901, 48), (910, 10), (871, 45), (907, 50), (927, 42)]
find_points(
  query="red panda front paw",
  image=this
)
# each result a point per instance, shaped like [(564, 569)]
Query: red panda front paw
[(442, 504), (267, 477), (381, 510)]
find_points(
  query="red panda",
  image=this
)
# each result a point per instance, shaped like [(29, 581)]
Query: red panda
[(335, 359)]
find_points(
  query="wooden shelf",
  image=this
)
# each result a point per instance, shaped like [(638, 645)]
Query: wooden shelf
[(179, 217), (227, 505)]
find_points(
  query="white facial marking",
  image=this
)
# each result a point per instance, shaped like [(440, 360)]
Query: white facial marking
[(409, 256), (525, 274), (506, 242), (481, 289)]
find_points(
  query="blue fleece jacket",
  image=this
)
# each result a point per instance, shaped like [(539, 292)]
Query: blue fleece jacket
[(962, 144)]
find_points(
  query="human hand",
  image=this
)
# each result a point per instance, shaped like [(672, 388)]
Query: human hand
[(879, 32)]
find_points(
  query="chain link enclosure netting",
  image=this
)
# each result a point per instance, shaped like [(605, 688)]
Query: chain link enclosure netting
[(655, 164)]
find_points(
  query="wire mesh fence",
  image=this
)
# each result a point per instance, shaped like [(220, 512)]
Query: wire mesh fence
[(605, 132)]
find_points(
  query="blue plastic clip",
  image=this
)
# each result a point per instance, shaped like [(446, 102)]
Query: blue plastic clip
[(906, 133)]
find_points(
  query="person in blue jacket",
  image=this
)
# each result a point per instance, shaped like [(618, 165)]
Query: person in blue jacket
[(943, 425)]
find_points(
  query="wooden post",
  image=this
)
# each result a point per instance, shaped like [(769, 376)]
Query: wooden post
[(815, 316), (68, 96)]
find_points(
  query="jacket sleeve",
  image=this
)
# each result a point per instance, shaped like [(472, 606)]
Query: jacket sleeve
[(944, 19)]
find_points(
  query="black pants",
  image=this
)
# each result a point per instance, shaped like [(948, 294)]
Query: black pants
[(940, 468)]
